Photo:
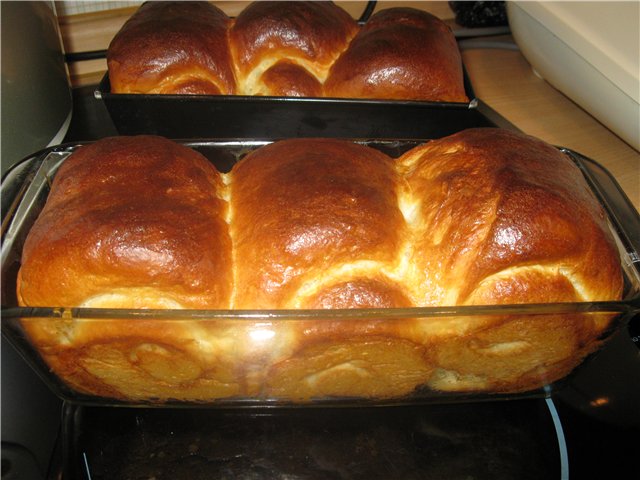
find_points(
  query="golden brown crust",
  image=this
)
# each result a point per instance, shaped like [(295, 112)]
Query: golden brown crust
[(360, 367), (172, 48), (285, 49), (485, 216), (309, 34), (496, 204), (125, 223), (301, 207), (401, 53), (506, 219), (142, 360), (287, 79)]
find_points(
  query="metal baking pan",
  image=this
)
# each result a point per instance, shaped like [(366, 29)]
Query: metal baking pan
[(238, 116), (28, 187)]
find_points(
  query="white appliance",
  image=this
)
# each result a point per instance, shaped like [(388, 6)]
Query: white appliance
[(590, 51)]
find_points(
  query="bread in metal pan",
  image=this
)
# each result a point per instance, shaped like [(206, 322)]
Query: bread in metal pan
[(285, 49), (485, 216)]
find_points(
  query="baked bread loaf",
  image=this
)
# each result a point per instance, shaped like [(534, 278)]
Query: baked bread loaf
[(285, 49), (482, 217)]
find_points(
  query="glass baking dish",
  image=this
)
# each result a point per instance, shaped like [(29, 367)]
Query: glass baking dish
[(240, 360)]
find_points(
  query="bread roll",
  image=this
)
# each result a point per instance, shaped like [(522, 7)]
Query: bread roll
[(172, 48), (503, 218), (286, 49), (131, 222), (485, 216), (301, 38), (401, 53), (124, 226), (307, 216)]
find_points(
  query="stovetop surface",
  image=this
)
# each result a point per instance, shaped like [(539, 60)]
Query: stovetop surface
[(590, 429), (488, 441)]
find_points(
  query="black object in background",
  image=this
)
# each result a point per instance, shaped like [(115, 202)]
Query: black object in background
[(480, 14)]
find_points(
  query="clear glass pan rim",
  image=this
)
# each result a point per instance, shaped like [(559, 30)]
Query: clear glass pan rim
[(630, 306)]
